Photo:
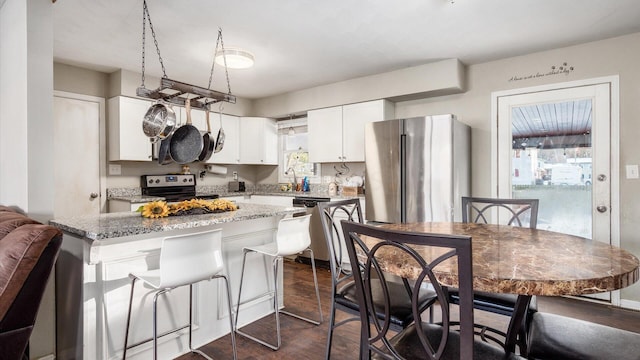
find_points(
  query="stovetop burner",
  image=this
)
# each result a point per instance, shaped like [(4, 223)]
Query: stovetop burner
[(172, 187)]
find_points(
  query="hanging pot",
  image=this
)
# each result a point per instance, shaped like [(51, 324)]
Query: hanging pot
[(208, 142), (159, 121), (186, 141), (220, 137)]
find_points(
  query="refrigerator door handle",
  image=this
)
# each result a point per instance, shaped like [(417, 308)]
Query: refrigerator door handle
[(403, 179)]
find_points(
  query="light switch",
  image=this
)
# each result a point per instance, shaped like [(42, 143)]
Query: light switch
[(632, 172), (115, 169)]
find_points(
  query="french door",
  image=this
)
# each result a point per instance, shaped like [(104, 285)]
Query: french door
[(554, 144)]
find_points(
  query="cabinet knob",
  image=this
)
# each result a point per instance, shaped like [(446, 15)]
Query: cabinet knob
[(94, 195)]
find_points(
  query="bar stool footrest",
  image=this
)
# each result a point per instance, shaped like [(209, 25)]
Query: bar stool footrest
[(311, 321), (259, 341)]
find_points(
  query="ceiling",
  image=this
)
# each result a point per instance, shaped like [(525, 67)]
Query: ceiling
[(300, 44)]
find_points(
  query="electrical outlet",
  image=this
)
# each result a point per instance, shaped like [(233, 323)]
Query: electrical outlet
[(235, 175), (115, 169)]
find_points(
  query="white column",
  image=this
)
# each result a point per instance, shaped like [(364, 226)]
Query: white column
[(26, 129)]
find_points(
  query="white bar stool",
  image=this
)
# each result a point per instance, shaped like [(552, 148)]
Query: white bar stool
[(184, 260), (291, 238)]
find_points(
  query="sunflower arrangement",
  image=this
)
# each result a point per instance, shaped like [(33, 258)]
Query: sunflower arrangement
[(156, 209)]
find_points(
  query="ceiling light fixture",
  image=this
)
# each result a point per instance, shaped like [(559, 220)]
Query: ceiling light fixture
[(235, 58)]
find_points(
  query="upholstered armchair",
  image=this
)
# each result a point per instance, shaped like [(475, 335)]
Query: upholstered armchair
[(28, 252)]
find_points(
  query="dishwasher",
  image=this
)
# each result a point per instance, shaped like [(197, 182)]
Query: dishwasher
[(318, 243)]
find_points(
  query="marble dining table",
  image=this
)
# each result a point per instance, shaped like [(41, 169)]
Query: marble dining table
[(522, 261)]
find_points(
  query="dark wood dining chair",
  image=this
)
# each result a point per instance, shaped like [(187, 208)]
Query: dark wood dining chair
[(375, 248), (515, 212), (343, 291)]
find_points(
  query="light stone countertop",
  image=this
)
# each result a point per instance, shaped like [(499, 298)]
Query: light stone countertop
[(140, 199), (115, 225)]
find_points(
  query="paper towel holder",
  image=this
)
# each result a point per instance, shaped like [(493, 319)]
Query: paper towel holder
[(217, 169)]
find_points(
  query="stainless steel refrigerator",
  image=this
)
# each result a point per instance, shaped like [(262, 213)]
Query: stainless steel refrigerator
[(417, 169)]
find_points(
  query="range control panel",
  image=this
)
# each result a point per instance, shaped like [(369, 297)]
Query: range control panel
[(148, 181)]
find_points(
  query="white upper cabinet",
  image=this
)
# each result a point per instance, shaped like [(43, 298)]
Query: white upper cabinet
[(126, 139), (230, 153), (325, 134), (336, 134), (259, 145)]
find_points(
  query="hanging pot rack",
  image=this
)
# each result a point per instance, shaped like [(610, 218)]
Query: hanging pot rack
[(175, 92)]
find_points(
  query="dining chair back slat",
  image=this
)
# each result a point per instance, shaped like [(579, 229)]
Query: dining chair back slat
[(516, 212)]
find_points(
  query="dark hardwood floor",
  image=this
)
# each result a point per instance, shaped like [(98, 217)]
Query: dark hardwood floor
[(301, 340)]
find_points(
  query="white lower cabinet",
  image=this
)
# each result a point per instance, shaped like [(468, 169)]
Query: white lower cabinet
[(239, 199), (123, 206), (275, 200), (272, 200)]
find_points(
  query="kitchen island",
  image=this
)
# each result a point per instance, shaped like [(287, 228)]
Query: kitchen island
[(93, 287)]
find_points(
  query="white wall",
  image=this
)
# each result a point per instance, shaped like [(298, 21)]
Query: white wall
[(26, 129), (13, 104)]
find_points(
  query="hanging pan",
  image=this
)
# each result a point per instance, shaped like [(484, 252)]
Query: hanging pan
[(159, 121), (220, 137), (186, 141), (208, 142)]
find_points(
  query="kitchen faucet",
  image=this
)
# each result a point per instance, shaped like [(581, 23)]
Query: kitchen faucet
[(295, 178)]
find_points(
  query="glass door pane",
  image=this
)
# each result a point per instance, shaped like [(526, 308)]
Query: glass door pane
[(552, 160)]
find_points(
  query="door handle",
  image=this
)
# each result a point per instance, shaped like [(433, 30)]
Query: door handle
[(94, 195), (601, 208)]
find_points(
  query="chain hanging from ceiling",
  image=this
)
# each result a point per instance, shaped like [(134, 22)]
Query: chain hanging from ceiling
[(174, 91), (220, 42)]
